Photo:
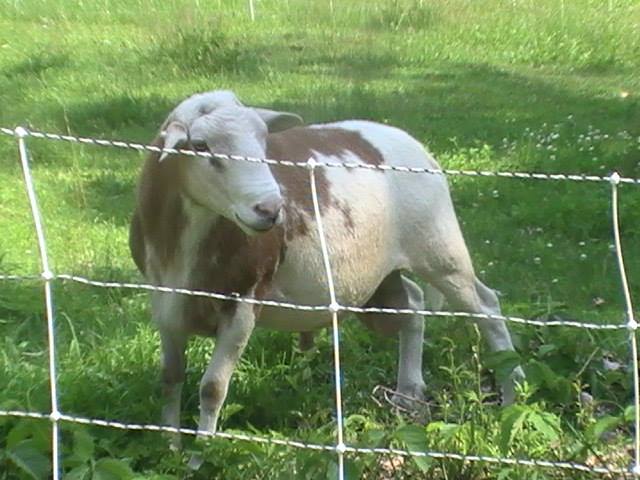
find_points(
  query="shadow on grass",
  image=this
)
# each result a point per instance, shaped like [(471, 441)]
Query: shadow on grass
[(112, 199), (207, 51), (127, 117), (37, 63), (472, 103)]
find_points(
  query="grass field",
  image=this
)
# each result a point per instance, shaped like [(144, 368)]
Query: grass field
[(523, 85)]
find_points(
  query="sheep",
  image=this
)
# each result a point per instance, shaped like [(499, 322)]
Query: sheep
[(245, 228)]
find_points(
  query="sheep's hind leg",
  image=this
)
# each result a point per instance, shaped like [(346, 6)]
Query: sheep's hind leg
[(465, 293), (498, 338)]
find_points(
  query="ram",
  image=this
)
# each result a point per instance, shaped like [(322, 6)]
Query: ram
[(247, 228)]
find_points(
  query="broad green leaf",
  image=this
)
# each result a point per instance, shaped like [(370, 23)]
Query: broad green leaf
[(539, 373), (21, 431), (353, 469), (562, 390), (81, 472), (512, 420), (546, 348), (629, 413), (30, 460), (229, 410), (111, 469), (83, 446), (375, 437), (446, 431), (434, 427), (155, 477), (504, 474), (332, 470), (38, 431), (502, 363), (545, 423), (603, 425), (423, 463), (414, 437)]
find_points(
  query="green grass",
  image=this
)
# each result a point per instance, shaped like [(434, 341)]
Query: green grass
[(523, 85)]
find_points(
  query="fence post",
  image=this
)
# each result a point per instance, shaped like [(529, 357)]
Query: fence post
[(48, 277), (334, 308), (632, 325)]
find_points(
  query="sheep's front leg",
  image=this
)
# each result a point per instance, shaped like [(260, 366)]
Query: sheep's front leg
[(173, 367), (232, 337)]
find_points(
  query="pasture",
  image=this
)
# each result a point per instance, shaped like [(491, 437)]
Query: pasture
[(520, 85)]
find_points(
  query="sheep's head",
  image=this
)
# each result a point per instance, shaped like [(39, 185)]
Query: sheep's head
[(244, 192)]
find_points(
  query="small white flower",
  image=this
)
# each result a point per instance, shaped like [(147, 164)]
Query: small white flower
[(586, 398), (611, 365)]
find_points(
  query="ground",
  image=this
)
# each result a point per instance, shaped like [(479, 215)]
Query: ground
[(521, 85)]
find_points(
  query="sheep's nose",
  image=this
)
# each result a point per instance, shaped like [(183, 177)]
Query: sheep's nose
[(270, 208)]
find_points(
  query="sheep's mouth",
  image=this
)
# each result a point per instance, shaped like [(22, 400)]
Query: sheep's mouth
[(252, 229)]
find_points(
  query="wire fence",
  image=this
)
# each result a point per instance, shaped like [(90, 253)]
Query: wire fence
[(340, 448)]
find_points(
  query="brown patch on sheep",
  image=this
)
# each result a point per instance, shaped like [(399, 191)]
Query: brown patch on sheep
[(298, 145)]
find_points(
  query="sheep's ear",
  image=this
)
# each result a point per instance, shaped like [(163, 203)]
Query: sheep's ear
[(278, 121), (175, 135)]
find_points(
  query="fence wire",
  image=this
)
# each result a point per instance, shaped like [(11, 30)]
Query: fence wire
[(243, 437), (576, 177), (236, 297), (334, 308)]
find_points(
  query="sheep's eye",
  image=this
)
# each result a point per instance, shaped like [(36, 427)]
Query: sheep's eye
[(200, 146)]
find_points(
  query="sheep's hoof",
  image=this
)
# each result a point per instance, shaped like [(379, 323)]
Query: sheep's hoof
[(175, 441), (410, 398), (509, 393), (195, 462)]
